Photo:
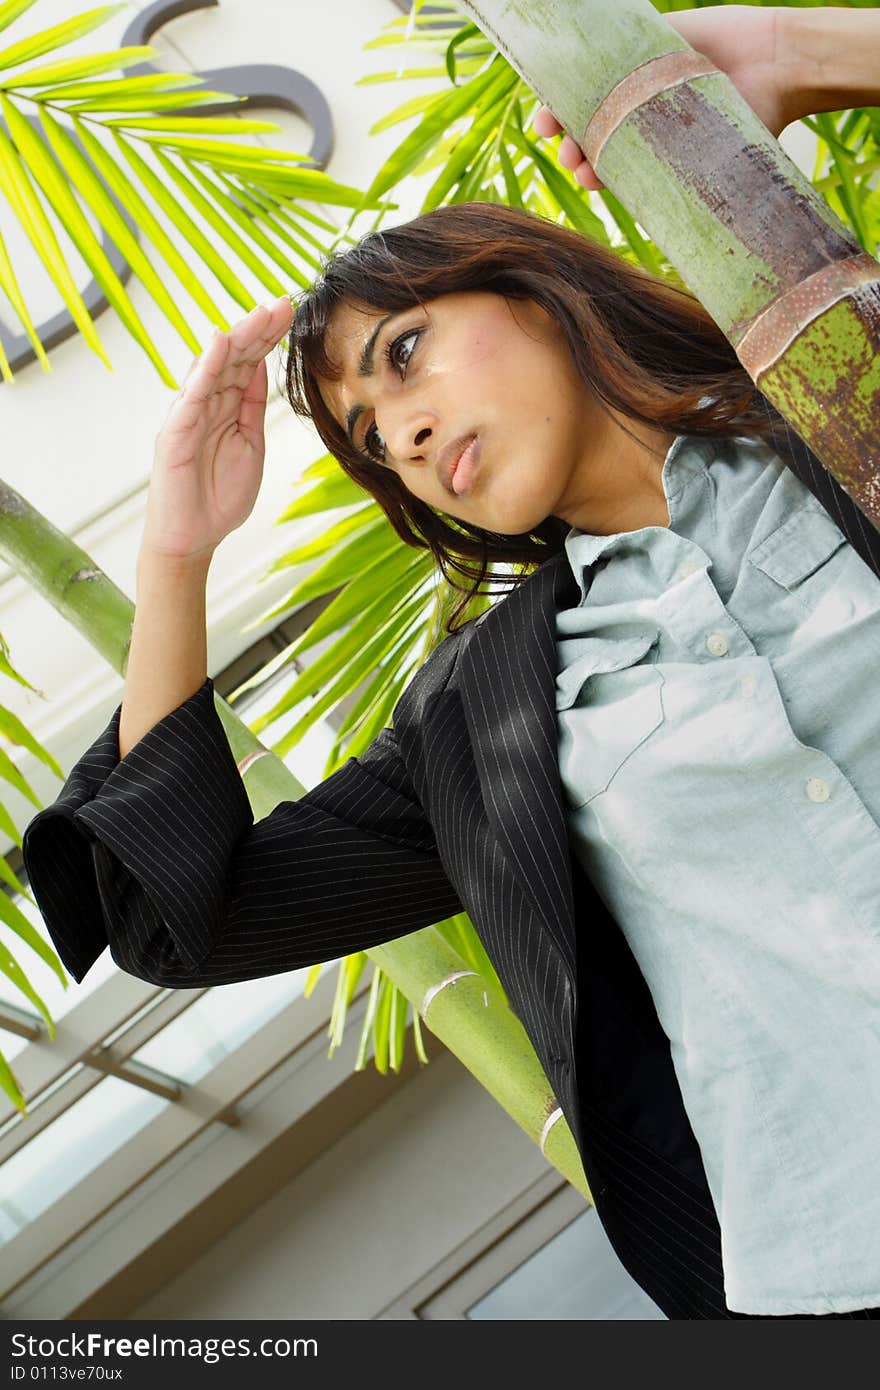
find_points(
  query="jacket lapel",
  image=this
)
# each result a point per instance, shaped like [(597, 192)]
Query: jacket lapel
[(507, 683)]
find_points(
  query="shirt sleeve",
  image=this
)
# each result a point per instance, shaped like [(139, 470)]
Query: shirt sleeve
[(157, 856)]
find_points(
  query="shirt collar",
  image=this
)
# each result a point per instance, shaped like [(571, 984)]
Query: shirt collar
[(686, 459)]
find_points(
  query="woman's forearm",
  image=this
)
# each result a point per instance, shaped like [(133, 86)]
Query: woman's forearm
[(168, 657), (834, 55)]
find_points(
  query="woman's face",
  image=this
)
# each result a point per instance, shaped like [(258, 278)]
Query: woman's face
[(473, 376)]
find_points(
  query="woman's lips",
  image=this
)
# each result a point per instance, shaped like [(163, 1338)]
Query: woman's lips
[(466, 468)]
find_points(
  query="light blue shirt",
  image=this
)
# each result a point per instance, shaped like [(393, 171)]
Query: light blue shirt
[(719, 745)]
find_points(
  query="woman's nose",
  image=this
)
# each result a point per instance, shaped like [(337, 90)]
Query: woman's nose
[(406, 435)]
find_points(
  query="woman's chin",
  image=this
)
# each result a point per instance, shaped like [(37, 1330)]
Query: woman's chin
[(520, 522), (504, 519)]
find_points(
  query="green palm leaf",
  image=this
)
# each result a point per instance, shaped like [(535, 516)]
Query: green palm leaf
[(128, 195), (267, 211), (250, 197), (413, 107), (125, 88), (367, 1029), (21, 196), (393, 569), (10, 967), (49, 39), (11, 915), (371, 710), (392, 680), (449, 107), (68, 69), (11, 10), (10, 286), (469, 66), (199, 145), (186, 226), (86, 179), (228, 206), (162, 101), (335, 489), (330, 538), (377, 627), (489, 113), (404, 626), (68, 210)]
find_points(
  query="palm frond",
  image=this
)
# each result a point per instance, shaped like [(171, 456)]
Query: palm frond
[(19, 736), (131, 151)]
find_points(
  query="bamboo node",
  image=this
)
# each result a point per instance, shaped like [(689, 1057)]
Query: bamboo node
[(434, 990), (250, 758), (639, 86), (775, 327), (11, 502), (548, 1125)]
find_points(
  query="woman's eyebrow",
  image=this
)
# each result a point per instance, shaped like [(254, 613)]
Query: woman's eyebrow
[(365, 361), (365, 367)]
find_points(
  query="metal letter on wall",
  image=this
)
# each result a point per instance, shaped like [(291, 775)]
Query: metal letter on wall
[(263, 84)]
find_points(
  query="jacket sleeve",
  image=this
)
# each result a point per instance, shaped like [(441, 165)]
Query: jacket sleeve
[(157, 856)]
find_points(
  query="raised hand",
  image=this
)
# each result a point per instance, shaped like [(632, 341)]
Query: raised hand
[(208, 462), (745, 41)]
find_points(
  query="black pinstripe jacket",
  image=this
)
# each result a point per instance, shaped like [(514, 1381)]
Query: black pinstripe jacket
[(458, 806)]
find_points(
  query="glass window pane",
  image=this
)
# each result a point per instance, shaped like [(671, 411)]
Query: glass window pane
[(576, 1275), (218, 1023), (69, 1148), (57, 999)]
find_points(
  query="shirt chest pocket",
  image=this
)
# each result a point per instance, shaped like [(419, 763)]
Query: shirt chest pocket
[(607, 706), (796, 555)]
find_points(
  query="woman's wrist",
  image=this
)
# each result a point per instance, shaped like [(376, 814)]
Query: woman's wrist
[(152, 557), (832, 56)]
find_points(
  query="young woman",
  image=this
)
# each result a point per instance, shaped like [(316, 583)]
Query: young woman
[(650, 772)]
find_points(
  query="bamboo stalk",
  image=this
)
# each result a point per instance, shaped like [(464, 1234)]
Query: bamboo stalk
[(481, 1030), (673, 139)]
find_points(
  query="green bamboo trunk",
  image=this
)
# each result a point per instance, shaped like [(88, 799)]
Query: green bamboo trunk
[(478, 1027), (688, 158)]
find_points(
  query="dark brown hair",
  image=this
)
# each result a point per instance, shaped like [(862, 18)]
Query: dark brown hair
[(643, 345)]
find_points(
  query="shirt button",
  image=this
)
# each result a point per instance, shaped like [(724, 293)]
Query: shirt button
[(749, 685), (818, 789), (717, 643)]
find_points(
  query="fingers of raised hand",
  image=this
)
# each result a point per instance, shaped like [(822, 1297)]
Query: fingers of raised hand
[(255, 334), (545, 123), (230, 358), (571, 156)]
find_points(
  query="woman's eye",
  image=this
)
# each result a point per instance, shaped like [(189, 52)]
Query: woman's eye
[(398, 355), (374, 444)]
